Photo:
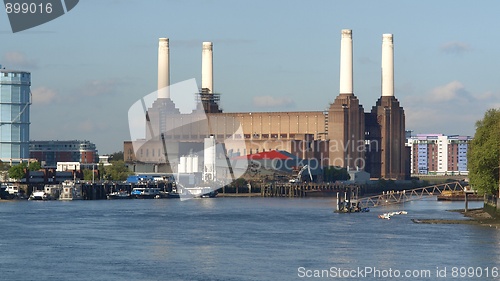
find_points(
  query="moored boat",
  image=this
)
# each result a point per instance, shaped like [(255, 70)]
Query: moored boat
[(197, 192), (122, 194), (145, 192), (71, 191), (39, 195)]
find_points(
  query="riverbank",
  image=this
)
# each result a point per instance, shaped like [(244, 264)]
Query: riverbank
[(254, 194), (473, 217)]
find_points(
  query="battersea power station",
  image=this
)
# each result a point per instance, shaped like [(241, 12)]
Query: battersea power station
[(344, 135)]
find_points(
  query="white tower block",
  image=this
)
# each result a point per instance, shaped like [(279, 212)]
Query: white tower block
[(346, 62), (163, 69), (387, 65), (207, 80)]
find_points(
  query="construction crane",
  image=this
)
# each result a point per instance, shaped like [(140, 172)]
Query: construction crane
[(298, 179)]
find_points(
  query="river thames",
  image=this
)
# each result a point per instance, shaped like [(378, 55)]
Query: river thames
[(239, 239)]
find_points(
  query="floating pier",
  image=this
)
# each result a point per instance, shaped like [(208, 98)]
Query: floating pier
[(306, 189)]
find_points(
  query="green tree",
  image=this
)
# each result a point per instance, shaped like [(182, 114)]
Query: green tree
[(117, 171), (484, 153), (87, 174), (34, 166), (334, 173), (102, 173), (117, 156), (18, 171), (4, 166)]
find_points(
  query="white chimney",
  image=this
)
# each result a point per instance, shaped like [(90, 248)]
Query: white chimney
[(207, 68), (387, 65), (163, 69), (346, 62)]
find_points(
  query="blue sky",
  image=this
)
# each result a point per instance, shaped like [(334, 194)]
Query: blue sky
[(90, 65)]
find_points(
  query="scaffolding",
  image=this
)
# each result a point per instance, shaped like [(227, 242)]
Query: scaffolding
[(209, 101)]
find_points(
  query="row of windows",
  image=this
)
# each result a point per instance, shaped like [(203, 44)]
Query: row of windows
[(55, 145), (15, 74), (235, 136)]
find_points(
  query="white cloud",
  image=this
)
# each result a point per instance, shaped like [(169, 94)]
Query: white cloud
[(43, 95), (455, 47), (450, 109), (18, 60), (270, 101), (451, 91)]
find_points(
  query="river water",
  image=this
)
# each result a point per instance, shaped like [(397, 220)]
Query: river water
[(239, 239)]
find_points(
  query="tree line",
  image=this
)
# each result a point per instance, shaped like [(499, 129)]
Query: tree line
[(117, 171)]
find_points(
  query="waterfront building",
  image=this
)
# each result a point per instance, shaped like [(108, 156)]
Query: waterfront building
[(15, 101), (50, 152), (334, 137), (438, 154)]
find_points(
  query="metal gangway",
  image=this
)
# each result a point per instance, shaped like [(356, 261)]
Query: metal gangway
[(396, 197)]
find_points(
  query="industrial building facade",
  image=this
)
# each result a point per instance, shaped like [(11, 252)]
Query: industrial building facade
[(438, 154), (343, 136), (15, 101)]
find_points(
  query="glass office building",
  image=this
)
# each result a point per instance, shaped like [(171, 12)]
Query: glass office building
[(15, 101)]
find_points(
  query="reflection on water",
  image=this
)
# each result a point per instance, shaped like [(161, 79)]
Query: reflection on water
[(228, 239)]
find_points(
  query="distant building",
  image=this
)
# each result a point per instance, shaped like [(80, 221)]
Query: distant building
[(15, 103), (438, 154), (104, 160), (68, 166), (51, 152)]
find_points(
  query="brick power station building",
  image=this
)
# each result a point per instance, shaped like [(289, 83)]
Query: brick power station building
[(344, 135)]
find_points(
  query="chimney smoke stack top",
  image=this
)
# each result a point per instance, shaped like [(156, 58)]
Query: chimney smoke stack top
[(163, 68), (387, 65), (346, 73), (207, 80)]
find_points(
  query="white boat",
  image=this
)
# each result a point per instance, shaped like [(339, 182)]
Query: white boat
[(122, 194), (197, 192), (39, 195), (53, 191), (10, 191), (71, 191)]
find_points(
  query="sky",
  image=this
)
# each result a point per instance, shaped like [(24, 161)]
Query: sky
[(90, 65)]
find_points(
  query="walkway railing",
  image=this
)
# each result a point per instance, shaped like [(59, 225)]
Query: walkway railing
[(396, 197)]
